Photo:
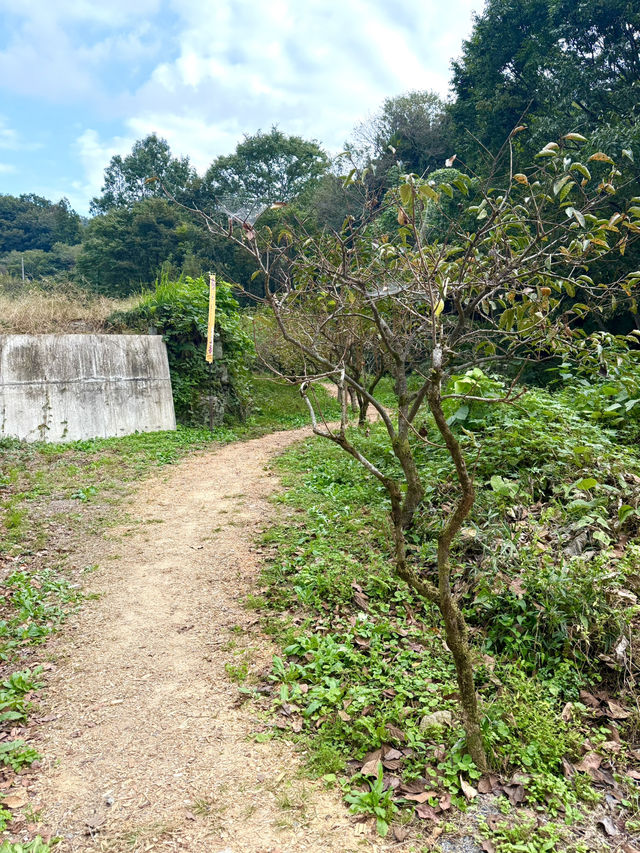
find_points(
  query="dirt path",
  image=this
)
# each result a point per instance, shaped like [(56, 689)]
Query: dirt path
[(148, 748)]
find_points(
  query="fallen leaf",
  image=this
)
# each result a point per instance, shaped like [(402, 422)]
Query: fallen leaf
[(568, 769), (517, 587), (468, 790), (400, 832), (617, 712), (589, 699), (445, 801), (515, 793), (422, 797), (488, 846), (391, 753), (396, 733), (189, 815), (426, 812), (484, 785), (609, 826), (438, 718), (371, 767), (16, 800), (296, 725), (591, 761), (567, 712), (344, 716), (415, 787)]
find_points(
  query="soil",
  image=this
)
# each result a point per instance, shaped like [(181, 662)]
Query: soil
[(148, 744)]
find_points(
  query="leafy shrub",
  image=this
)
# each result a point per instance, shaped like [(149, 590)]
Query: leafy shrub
[(603, 382), (179, 311)]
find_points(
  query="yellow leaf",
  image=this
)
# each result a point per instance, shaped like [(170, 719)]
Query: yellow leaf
[(601, 157), (439, 308), (521, 179)]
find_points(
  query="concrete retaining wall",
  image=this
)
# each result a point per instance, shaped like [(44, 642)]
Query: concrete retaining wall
[(69, 387)]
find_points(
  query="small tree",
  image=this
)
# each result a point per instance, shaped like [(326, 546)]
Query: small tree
[(494, 295)]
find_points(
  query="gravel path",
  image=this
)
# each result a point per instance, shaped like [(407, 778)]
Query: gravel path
[(148, 748)]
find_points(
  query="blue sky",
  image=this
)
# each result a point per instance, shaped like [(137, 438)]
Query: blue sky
[(81, 80)]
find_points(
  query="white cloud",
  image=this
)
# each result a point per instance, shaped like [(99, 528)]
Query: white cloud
[(228, 67), (7, 169), (56, 49), (8, 136), (314, 69)]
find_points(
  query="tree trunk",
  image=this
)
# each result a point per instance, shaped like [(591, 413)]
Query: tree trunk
[(456, 631), (455, 626)]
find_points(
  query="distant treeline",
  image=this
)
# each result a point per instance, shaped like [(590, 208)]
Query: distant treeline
[(547, 67)]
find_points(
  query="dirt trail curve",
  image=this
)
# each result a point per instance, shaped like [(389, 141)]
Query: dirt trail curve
[(148, 748)]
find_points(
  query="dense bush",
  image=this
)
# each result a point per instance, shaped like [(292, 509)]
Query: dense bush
[(178, 310)]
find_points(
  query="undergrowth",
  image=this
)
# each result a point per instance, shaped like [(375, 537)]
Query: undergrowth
[(546, 569)]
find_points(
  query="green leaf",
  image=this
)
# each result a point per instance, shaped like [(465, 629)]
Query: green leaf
[(579, 167), (566, 189), (560, 183), (586, 483), (428, 193), (624, 512), (405, 193), (349, 179)]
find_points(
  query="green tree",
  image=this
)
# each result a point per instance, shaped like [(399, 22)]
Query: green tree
[(130, 179), (490, 292), (413, 128), (563, 63), (270, 166), (32, 222), (124, 250)]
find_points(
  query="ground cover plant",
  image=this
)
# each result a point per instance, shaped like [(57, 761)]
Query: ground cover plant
[(546, 572)]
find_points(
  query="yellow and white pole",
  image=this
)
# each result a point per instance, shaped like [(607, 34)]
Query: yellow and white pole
[(212, 316)]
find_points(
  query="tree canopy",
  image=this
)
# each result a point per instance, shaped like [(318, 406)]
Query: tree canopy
[(32, 222), (146, 172), (268, 166), (564, 64)]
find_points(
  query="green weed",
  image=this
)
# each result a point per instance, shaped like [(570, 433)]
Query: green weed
[(374, 801)]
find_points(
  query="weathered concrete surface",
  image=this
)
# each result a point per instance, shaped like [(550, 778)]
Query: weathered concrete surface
[(69, 387)]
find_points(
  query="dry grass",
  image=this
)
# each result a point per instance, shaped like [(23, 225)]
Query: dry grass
[(61, 309)]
